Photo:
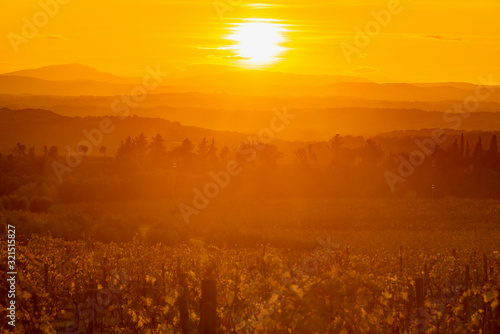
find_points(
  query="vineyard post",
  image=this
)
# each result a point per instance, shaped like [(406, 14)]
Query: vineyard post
[(104, 275), (91, 297), (401, 258), (426, 278), (46, 276), (208, 314), (419, 291), (466, 301), (496, 319), (485, 264), (183, 299), (163, 285), (262, 263)]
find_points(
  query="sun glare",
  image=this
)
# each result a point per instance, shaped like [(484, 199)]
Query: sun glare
[(258, 42)]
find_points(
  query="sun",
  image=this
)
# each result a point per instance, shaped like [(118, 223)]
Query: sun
[(258, 42)]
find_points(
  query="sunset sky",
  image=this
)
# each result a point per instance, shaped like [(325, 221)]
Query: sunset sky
[(428, 41)]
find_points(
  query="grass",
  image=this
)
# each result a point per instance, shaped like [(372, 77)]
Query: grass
[(297, 223)]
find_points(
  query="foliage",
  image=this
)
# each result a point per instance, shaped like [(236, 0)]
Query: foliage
[(131, 288), (40, 204)]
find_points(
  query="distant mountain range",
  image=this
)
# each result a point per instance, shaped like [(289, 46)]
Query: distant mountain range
[(71, 72), (76, 80), (40, 127), (228, 98)]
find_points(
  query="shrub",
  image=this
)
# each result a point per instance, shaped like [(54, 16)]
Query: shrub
[(167, 232), (224, 234), (5, 203), (38, 189), (40, 204), (115, 229), (19, 203), (25, 222), (69, 226)]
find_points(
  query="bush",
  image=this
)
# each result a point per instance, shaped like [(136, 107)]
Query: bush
[(25, 222), (40, 204), (19, 203), (5, 203), (224, 234), (69, 226), (115, 229), (168, 233), (38, 189)]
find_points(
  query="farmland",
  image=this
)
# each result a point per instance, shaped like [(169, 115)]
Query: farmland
[(347, 266)]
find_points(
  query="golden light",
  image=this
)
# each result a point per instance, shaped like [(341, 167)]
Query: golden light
[(258, 42)]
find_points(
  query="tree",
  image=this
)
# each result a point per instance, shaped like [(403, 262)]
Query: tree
[(141, 146), (125, 150), (478, 149), (203, 149), (186, 146), (157, 150), (103, 150), (19, 150), (300, 156), (270, 154), (40, 204), (335, 145), (462, 145), (494, 145), (53, 152), (224, 152), (84, 149), (372, 153), (31, 152), (212, 151), (184, 154)]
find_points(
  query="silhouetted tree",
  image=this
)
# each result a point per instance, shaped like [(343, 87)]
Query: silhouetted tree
[(300, 156), (125, 150), (270, 154), (310, 150), (31, 152), (462, 145), (187, 146), (141, 146), (103, 150), (19, 150), (184, 154), (203, 149), (212, 151), (372, 153), (478, 149), (494, 145), (53, 152), (224, 152), (157, 149), (84, 149), (335, 145)]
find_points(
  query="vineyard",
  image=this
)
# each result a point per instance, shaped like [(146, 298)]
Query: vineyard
[(92, 287)]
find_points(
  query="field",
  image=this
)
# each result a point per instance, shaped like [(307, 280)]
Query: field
[(279, 266)]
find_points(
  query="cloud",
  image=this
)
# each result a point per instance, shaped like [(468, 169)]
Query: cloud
[(56, 37), (442, 37)]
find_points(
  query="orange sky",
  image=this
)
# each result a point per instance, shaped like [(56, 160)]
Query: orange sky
[(427, 40)]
